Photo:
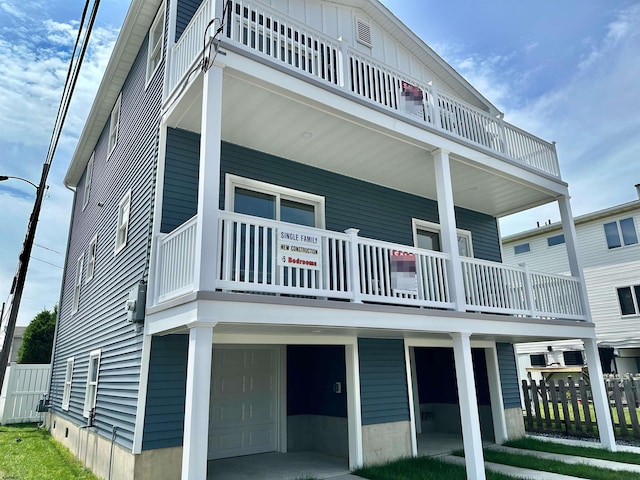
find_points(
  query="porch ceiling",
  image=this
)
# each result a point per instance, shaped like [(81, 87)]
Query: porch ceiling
[(257, 116)]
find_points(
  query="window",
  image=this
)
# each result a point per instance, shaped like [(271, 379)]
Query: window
[(114, 124), (264, 200), (92, 382), (76, 285), (87, 182), (91, 258), (68, 377), (426, 235), (122, 229), (556, 240), (154, 56), (522, 248), (573, 358), (621, 232), (538, 360), (629, 298)]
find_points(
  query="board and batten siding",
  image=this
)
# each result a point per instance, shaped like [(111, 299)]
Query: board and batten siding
[(380, 213), (384, 394), (508, 375), (167, 383), (100, 322)]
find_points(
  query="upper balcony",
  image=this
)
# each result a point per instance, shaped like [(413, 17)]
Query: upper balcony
[(256, 31)]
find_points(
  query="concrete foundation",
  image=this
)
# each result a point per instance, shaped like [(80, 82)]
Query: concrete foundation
[(318, 433), (515, 423), (386, 441), (94, 450)]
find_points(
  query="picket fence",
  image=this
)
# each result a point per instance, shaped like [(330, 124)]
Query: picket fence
[(566, 406), (24, 387)]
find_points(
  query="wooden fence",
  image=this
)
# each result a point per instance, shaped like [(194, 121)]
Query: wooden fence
[(566, 406)]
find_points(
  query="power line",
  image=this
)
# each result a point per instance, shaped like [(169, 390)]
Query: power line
[(48, 263), (47, 248)]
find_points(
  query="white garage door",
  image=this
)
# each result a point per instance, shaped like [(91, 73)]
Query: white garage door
[(244, 409)]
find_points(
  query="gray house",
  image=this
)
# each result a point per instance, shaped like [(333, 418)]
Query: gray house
[(284, 239)]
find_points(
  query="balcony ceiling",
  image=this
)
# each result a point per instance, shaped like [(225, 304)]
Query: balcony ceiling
[(262, 118)]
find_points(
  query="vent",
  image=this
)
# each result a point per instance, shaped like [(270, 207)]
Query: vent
[(363, 32)]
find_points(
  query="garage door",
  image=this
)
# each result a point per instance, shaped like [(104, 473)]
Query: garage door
[(244, 409)]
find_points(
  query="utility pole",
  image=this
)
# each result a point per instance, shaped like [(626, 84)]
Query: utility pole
[(21, 275)]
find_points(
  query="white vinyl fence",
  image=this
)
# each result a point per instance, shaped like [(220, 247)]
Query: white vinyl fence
[(24, 386)]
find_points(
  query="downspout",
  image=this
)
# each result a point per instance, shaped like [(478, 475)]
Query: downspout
[(55, 331)]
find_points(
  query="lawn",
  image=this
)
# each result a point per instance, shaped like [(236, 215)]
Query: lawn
[(32, 454)]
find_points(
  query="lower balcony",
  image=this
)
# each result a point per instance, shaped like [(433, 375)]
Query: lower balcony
[(262, 256)]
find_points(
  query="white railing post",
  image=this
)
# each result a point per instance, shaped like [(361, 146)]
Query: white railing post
[(501, 134), (435, 105), (528, 290), (355, 264), (343, 67)]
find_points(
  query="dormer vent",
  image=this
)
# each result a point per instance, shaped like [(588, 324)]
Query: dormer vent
[(363, 32)]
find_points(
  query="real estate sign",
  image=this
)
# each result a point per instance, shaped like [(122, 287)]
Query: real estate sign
[(404, 278), (300, 249)]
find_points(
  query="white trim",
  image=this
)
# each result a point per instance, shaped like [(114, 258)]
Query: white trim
[(87, 181), (114, 125), (417, 223), (634, 298), (282, 399), (411, 396), (279, 192), (495, 394), (77, 284), (158, 44), (354, 412), (414, 386), (92, 254), (68, 384), (96, 356), (620, 235), (141, 406), (122, 223), (152, 287)]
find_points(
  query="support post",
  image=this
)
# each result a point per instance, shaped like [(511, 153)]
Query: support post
[(495, 396), (471, 436), (355, 264), (599, 392), (206, 251), (448, 230), (196, 409), (354, 412)]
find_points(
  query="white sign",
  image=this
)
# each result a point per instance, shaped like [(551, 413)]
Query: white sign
[(299, 249)]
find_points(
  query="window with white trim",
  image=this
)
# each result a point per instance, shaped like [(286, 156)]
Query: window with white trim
[(629, 299), (122, 228), (154, 55), (522, 248), (91, 258), (555, 240), (91, 392), (621, 233), (538, 360), (68, 378), (76, 286), (114, 124), (260, 199), (426, 235), (87, 181)]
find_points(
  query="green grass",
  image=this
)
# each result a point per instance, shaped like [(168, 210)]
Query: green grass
[(420, 468), (27, 453), (554, 466), (589, 452)]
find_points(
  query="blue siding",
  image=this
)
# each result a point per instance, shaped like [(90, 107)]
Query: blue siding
[(312, 371), (180, 192), (508, 375), (185, 11), (383, 381), (164, 414), (100, 322)]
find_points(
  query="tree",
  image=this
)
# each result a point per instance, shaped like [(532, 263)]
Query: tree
[(37, 341)]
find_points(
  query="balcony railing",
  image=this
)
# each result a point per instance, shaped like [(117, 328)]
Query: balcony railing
[(262, 256), (278, 38)]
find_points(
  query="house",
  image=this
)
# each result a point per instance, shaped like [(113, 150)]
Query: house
[(284, 238), (610, 256)]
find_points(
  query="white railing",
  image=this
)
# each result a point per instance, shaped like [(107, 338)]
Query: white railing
[(531, 150), (254, 258), (176, 267)]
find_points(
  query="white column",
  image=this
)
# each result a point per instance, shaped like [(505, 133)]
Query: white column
[(209, 181), (571, 242), (468, 399), (354, 414), (448, 231), (495, 395), (354, 257), (410, 397), (600, 398), (196, 409)]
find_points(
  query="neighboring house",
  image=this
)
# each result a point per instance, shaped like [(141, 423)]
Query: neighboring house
[(311, 204), (609, 249), (18, 332)]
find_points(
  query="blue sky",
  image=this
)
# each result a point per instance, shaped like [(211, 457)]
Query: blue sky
[(567, 71)]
